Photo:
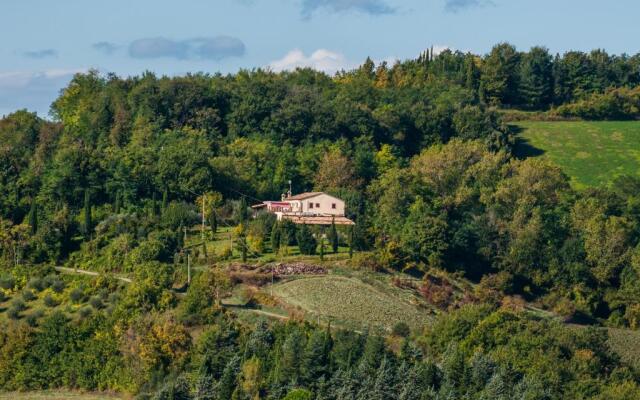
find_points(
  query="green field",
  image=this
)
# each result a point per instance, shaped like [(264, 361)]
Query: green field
[(351, 302), (626, 343), (590, 153)]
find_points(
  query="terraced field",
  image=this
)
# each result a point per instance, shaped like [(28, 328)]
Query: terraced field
[(591, 153), (350, 302)]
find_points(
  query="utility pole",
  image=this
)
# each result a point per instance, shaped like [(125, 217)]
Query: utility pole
[(188, 268)]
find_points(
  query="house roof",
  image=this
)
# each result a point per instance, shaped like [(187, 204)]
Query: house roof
[(303, 196), (318, 219)]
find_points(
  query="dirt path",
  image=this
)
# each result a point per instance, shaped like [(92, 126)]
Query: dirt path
[(74, 271)]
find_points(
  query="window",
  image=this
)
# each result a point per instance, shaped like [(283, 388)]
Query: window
[(317, 205), (333, 205), (310, 205)]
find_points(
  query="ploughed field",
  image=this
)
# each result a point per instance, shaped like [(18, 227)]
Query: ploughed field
[(55, 395), (350, 302), (591, 153)]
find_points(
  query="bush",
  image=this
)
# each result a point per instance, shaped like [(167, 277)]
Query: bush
[(401, 329), (58, 286), (299, 394), (33, 318), (7, 282), (13, 313), (85, 312), (49, 301), (37, 284), (18, 304), (3, 297), (28, 295), (96, 302), (76, 295)]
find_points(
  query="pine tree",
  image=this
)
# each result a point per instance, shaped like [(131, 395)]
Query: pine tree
[(316, 356), (87, 214), (33, 217), (333, 236), (229, 379)]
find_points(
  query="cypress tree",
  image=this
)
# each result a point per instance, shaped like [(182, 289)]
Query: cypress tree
[(352, 239), (321, 248), (306, 242), (243, 215), (333, 236), (33, 217), (213, 220), (154, 205), (275, 237), (87, 214), (165, 199), (116, 207)]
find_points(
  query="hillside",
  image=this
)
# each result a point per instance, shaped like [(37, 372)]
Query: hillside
[(592, 153)]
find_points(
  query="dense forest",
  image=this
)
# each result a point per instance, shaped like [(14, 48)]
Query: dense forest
[(421, 152)]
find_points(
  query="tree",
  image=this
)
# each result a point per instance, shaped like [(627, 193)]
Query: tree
[(306, 242), (352, 240), (276, 233), (33, 217), (333, 235), (87, 215), (499, 75), (536, 79)]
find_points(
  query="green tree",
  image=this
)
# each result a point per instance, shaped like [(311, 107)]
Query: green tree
[(306, 242), (33, 217), (536, 79), (333, 236), (87, 226)]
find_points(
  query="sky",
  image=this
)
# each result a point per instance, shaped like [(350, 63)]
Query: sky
[(43, 42)]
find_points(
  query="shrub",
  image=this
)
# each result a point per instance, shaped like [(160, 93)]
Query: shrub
[(28, 295), (85, 312), (96, 302), (7, 282), (401, 329), (32, 319), (76, 295), (3, 297), (37, 284), (299, 394), (18, 305), (58, 286), (49, 301), (13, 313)]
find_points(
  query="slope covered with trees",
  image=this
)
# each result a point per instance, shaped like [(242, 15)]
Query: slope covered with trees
[(419, 153)]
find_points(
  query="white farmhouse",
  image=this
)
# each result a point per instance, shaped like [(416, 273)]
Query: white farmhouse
[(313, 208)]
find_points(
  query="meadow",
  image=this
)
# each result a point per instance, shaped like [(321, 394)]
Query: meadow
[(591, 153)]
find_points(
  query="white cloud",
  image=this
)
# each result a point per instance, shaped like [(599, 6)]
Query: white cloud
[(33, 90), (321, 60)]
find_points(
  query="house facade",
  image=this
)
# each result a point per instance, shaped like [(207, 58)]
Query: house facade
[(314, 208)]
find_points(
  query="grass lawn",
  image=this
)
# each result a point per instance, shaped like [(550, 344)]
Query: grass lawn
[(590, 153), (350, 302)]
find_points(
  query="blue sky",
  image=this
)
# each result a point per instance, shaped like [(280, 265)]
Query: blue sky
[(44, 42)]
